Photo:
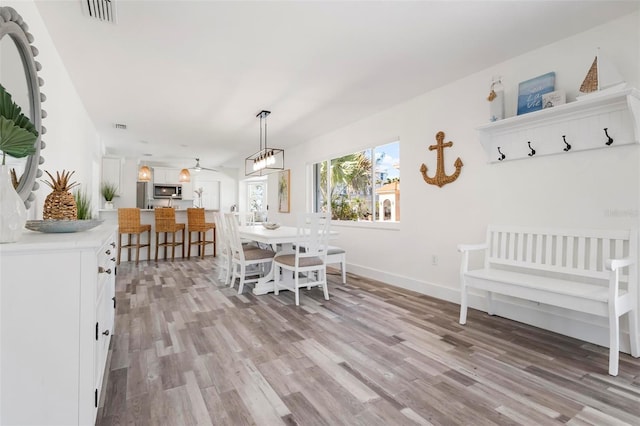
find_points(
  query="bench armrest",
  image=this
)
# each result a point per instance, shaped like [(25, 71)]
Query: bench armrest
[(465, 249), (472, 247), (615, 264)]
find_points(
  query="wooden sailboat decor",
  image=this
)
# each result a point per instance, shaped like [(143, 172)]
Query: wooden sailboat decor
[(602, 75), (590, 83)]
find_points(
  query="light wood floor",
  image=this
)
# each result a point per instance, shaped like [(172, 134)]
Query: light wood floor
[(190, 351)]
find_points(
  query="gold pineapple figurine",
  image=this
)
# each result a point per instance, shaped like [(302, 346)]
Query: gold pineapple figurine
[(60, 204)]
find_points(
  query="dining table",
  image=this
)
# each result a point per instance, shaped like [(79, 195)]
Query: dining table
[(281, 240)]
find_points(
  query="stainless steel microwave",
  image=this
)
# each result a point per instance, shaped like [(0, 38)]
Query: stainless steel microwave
[(167, 191)]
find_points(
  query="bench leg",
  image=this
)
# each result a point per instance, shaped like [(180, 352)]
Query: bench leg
[(463, 302), (633, 333), (614, 341), (489, 303)]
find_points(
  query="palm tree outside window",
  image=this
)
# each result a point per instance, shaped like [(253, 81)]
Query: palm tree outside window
[(361, 186)]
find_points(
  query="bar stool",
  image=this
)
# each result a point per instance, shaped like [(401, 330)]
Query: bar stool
[(166, 224), (197, 223), (129, 224)]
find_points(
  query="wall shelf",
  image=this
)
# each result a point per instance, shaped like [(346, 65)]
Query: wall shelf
[(579, 124)]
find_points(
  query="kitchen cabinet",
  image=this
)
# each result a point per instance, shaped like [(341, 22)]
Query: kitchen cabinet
[(112, 171), (210, 193), (57, 307), (165, 175), (187, 190)]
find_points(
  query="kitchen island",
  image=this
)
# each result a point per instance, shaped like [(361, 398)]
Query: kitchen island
[(147, 216)]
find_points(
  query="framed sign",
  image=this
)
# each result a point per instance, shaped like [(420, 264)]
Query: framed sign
[(284, 191), (530, 92), (552, 99)]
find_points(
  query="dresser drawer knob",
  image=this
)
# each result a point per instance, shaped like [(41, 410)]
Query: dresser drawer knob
[(101, 270), (106, 332)]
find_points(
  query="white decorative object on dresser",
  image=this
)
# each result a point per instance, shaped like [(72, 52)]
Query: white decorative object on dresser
[(57, 299), (596, 121)]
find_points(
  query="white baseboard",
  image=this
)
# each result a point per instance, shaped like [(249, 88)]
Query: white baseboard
[(430, 289), (590, 328)]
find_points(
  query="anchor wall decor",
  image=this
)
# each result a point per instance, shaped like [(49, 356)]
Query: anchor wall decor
[(441, 177)]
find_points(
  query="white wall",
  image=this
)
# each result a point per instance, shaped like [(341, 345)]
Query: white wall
[(72, 142), (577, 190)]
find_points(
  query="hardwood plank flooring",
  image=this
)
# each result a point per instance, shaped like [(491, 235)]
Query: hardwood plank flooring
[(188, 350)]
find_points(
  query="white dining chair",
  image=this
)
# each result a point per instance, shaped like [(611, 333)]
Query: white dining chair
[(307, 263), (338, 255), (243, 258), (246, 218), (224, 250)]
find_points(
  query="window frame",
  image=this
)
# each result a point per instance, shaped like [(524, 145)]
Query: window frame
[(315, 191)]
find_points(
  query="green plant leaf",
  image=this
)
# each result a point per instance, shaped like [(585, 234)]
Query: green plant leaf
[(83, 203), (109, 190), (12, 111), (14, 140)]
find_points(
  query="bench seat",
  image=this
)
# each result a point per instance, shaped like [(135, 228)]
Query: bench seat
[(592, 271), (573, 295)]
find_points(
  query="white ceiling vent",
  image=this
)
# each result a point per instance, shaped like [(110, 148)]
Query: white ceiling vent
[(102, 10)]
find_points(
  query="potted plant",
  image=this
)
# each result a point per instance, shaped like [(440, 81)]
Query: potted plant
[(108, 191), (17, 139), (83, 202)]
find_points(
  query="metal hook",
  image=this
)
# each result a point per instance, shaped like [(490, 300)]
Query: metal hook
[(533, 151), (502, 156), (568, 147), (610, 139)]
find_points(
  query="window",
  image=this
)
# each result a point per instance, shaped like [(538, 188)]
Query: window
[(256, 197), (362, 186)]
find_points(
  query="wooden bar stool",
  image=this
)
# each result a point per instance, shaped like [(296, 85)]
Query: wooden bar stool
[(196, 223), (129, 224), (166, 224)]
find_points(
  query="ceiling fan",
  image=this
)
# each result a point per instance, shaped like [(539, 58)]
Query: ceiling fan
[(198, 167)]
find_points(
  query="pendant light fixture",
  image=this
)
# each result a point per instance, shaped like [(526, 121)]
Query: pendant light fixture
[(144, 174), (184, 176), (266, 160)]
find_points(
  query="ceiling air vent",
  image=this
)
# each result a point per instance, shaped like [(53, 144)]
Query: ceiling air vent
[(102, 10)]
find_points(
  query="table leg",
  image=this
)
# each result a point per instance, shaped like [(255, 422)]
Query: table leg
[(265, 283)]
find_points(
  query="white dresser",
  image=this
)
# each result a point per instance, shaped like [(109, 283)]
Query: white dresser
[(57, 300)]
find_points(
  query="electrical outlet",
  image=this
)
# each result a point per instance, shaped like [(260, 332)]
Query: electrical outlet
[(434, 260)]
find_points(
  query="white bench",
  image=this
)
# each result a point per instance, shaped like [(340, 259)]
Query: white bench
[(592, 271)]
